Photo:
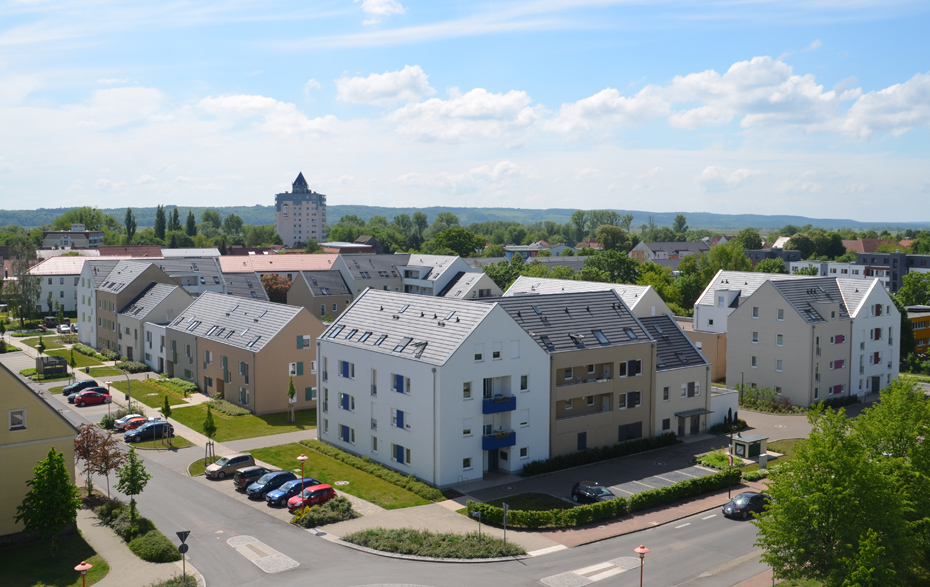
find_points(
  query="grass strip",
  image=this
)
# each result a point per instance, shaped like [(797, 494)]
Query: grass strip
[(246, 426), (80, 361), (151, 395), (198, 467), (424, 543)]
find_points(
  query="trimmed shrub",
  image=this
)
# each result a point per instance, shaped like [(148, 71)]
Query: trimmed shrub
[(338, 509), (86, 350), (108, 422), (110, 355), (179, 386), (132, 366), (756, 475), (154, 547), (425, 543), (109, 511), (594, 455), (408, 482), (726, 428), (177, 581), (839, 402), (224, 407), (683, 489), (126, 530)]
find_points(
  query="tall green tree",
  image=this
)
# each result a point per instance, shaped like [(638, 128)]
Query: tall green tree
[(132, 479), (612, 266), (915, 290), (680, 226), (459, 241), (420, 222), (191, 224), (613, 238), (232, 225), (52, 502), (291, 394), (748, 239), (174, 222), (579, 224), (130, 223), (23, 292), (776, 265), (161, 223)]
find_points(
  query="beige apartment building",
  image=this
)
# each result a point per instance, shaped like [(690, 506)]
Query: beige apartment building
[(323, 293), (121, 286)]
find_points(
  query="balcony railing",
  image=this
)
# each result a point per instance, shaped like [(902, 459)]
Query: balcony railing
[(578, 381), (496, 405), (496, 440)]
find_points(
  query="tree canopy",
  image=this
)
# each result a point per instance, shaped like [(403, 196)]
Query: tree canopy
[(52, 502)]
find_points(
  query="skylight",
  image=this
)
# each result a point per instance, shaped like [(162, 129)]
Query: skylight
[(599, 335), (401, 311), (630, 333), (351, 334), (253, 341), (233, 309), (545, 340), (365, 336), (449, 315), (243, 332), (380, 340), (263, 313), (402, 344), (537, 310), (335, 331)]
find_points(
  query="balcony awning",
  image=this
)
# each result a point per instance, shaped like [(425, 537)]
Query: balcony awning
[(694, 412)]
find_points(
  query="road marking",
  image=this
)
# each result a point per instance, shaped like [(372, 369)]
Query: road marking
[(683, 525), (644, 484), (592, 568), (606, 574), (709, 517), (261, 555), (591, 574), (549, 550)]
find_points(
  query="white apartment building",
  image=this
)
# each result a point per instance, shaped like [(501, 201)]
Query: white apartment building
[(727, 291), (642, 300), (876, 346)]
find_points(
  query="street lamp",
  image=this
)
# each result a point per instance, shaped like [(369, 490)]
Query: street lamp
[(108, 393), (302, 458), (83, 568), (641, 551)]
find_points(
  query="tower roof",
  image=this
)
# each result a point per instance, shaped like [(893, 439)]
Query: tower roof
[(300, 183)]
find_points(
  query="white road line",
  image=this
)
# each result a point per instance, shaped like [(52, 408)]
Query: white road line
[(709, 517), (549, 550), (683, 525), (592, 568), (606, 574)]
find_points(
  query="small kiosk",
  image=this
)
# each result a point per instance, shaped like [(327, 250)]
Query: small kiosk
[(749, 446)]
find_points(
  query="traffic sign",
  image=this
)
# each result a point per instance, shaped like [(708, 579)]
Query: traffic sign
[(183, 534), (183, 548)]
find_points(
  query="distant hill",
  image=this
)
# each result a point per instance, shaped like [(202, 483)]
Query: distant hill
[(265, 215)]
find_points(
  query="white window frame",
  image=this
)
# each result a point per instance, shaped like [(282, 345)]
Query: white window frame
[(22, 416)]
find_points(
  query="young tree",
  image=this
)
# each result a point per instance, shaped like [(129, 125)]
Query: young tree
[(108, 457), (132, 480), (85, 449), (208, 426), (161, 223), (50, 302), (166, 412), (291, 394), (71, 362), (130, 223), (52, 502)]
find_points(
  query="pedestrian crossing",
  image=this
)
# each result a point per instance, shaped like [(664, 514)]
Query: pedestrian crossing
[(593, 573)]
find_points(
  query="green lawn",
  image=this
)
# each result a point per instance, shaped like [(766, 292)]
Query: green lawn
[(327, 470), (787, 447), (248, 426), (176, 442), (29, 565), (99, 372), (151, 395), (533, 502), (80, 360), (198, 467), (49, 341)]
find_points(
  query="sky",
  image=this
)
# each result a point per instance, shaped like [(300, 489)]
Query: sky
[(818, 108)]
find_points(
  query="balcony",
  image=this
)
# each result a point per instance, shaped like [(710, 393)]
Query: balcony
[(497, 440), (496, 405)]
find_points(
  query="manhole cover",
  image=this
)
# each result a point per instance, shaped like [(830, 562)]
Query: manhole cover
[(341, 483)]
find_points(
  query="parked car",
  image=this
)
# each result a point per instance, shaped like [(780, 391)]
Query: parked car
[(92, 396), (79, 386), (268, 482), (149, 431), (228, 465), (316, 495), (134, 423), (64, 329), (74, 328), (73, 395), (746, 503), (590, 492), (280, 495), (244, 477), (122, 421)]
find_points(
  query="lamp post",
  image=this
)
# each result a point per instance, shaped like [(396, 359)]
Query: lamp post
[(302, 458), (641, 551), (108, 393), (83, 568)]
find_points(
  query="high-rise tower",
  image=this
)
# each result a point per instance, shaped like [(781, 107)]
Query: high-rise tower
[(300, 216)]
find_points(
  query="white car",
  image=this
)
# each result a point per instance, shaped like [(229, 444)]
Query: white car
[(121, 423), (64, 329)]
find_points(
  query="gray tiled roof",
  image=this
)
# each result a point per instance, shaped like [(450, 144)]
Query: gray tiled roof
[(568, 321), (245, 285), (630, 294), (854, 291), (234, 321), (438, 264), (122, 274), (207, 268), (150, 297), (325, 283), (100, 268), (801, 293), (435, 326), (673, 348), (675, 247), (576, 263), (372, 264), (745, 281)]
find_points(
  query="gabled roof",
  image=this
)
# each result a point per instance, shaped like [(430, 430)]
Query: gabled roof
[(572, 321), (575, 262), (59, 266), (868, 245), (325, 283), (234, 321), (146, 301), (747, 282), (854, 292), (438, 264), (376, 266), (207, 269), (803, 294), (208, 252), (134, 251), (673, 348), (122, 274), (99, 269), (277, 263), (420, 328), (630, 294), (674, 247), (245, 285)]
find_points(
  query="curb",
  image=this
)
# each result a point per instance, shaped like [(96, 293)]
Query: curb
[(413, 557)]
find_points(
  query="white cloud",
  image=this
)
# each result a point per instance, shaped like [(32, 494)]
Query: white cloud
[(815, 44), (609, 107), (112, 81), (481, 178), (15, 88), (144, 179), (896, 109), (477, 113), (648, 180), (382, 89), (721, 179), (107, 185), (808, 183), (278, 117), (376, 9)]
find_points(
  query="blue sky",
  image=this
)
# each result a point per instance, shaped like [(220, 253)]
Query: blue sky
[(818, 108)]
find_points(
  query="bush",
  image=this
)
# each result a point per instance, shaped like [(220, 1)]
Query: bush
[(86, 350), (110, 355), (120, 413), (126, 530), (179, 385), (765, 399), (177, 581), (683, 489), (154, 547), (425, 543), (839, 402), (224, 407), (108, 422), (715, 460), (594, 455), (723, 428), (132, 366), (408, 482), (109, 511), (335, 510), (756, 475)]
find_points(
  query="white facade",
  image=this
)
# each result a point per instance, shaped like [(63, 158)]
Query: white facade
[(153, 346), (876, 345), (64, 290)]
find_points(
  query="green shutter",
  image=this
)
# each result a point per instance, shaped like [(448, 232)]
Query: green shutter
[(309, 394), (300, 367), (300, 342)]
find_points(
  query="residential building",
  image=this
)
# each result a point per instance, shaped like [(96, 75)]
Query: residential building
[(121, 285), (525, 251), (875, 335), (245, 350), (642, 300), (712, 345), (920, 323), (575, 263), (602, 367), (93, 274), (469, 285), (439, 388), (76, 238), (159, 303), (834, 269), (245, 285), (285, 265), (759, 255), (727, 291), (323, 293), (428, 275), (374, 271), (343, 248), (30, 429), (300, 215), (682, 394), (59, 276), (869, 245), (644, 251)]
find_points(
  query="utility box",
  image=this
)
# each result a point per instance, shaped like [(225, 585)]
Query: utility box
[(749, 446)]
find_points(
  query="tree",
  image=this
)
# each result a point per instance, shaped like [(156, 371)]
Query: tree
[(174, 223), (420, 222), (108, 456), (130, 223), (276, 287), (291, 394), (579, 223), (90, 217), (50, 302), (459, 241), (776, 265), (52, 502), (626, 221), (211, 217), (748, 239), (191, 224), (313, 247), (614, 265), (494, 251), (613, 238), (907, 343), (503, 273), (567, 252), (132, 480), (232, 225), (208, 426), (24, 291), (161, 223), (72, 362), (85, 449), (680, 225), (916, 289)]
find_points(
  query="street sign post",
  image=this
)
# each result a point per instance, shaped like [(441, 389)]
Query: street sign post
[(183, 548), (506, 509)]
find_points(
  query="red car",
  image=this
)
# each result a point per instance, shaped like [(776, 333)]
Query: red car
[(89, 398), (315, 495), (134, 423)]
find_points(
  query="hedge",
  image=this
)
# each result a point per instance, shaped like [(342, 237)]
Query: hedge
[(335, 510), (154, 547), (224, 407), (132, 366), (179, 385), (408, 482), (86, 350), (604, 510), (594, 455), (142, 537), (425, 543)]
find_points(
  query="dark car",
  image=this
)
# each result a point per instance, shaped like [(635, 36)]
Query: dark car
[(149, 431), (269, 482), (244, 477), (73, 395), (311, 496), (79, 386), (280, 495), (90, 397), (590, 492), (745, 504)]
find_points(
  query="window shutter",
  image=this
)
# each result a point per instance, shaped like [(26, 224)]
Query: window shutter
[(345, 369), (300, 342), (399, 384), (300, 367), (400, 419)]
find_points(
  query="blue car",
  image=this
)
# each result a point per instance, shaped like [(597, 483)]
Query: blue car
[(280, 495), (267, 483)]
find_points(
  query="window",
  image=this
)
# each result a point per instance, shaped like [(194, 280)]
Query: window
[(780, 314), (466, 427), (816, 393), (524, 418), (755, 311), (778, 365), (479, 352), (720, 301), (667, 424), (634, 367), (590, 400), (397, 419), (503, 455), (466, 390), (466, 464), (400, 454), (347, 402), (752, 361), (621, 401), (243, 396), (524, 452), (568, 373), (665, 394), (755, 337), (309, 394), (634, 399), (347, 434), (18, 419), (591, 369), (524, 382), (303, 342), (621, 370), (569, 404), (347, 369), (629, 431), (496, 351), (400, 383), (779, 340), (374, 444), (599, 335)]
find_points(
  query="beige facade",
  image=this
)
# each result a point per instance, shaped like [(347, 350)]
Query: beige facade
[(713, 345), (315, 301), (111, 300), (682, 400), (29, 430), (596, 402)]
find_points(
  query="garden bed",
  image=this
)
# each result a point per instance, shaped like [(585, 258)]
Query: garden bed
[(424, 543)]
